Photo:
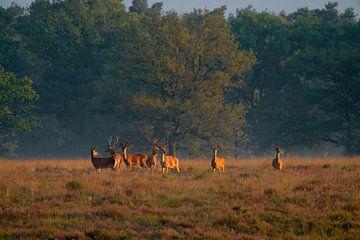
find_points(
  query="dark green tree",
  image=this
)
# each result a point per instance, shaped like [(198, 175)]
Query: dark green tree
[(188, 67), (17, 98), (268, 91), (76, 47), (330, 71), (141, 7), (290, 93)]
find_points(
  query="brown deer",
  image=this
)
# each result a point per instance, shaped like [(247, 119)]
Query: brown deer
[(168, 161), (111, 149), (152, 159), (133, 159), (277, 162), (101, 162), (217, 163)]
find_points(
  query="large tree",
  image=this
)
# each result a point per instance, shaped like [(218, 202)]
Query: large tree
[(76, 47), (302, 91), (16, 101), (188, 67), (329, 69)]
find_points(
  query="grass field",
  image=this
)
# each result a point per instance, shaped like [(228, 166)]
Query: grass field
[(67, 199)]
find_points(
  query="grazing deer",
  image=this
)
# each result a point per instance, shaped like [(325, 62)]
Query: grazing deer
[(168, 161), (277, 161), (111, 149), (101, 162), (217, 163), (152, 159), (133, 159)]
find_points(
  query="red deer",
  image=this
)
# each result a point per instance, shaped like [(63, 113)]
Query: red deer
[(277, 162), (133, 159), (217, 163), (102, 162), (168, 161), (111, 150), (152, 159)]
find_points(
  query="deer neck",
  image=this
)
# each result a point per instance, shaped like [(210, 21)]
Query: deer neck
[(214, 156), (125, 154), (278, 155), (92, 154), (162, 157)]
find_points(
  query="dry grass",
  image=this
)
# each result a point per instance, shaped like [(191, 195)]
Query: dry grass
[(67, 199)]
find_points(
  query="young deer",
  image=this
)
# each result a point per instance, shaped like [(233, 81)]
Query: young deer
[(101, 162), (111, 149), (133, 159), (217, 163), (168, 161), (152, 159), (277, 161)]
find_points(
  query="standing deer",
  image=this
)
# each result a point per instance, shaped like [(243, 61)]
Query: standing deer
[(217, 163), (277, 161), (133, 159), (168, 161), (152, 159), (101, 162), (111, 149)]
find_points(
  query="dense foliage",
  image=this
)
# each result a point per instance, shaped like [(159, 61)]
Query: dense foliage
[(244, 83), (304, 91), (16, 100)]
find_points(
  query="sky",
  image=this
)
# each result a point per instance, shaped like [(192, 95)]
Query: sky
[(182, 6)]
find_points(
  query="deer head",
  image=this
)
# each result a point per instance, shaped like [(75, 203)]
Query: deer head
[(162, 148), (126, 145), (214, 148), (277, 148)]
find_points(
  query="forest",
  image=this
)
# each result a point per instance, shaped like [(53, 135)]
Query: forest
[(73, 72)]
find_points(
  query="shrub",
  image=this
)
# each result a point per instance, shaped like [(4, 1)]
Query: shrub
[(74, 185)]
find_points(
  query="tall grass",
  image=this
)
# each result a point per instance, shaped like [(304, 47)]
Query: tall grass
[(68, 199)]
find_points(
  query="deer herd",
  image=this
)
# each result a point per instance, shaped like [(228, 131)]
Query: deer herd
[(141, 160)]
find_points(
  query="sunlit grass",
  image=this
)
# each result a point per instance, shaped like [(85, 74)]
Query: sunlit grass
[(311, 199)]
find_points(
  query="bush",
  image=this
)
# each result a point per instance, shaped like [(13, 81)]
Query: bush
[(74, 185)]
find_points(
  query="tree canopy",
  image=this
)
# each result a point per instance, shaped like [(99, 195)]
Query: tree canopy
[(244, 83)]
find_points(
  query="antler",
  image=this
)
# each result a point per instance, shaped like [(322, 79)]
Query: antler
[(117, 140), (109, 140), (166, 143), (128, 141), (155, 143), (277, 146)]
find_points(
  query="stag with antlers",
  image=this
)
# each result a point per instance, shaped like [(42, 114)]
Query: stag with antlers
[(133, 159), (111, 149), (217, 163)]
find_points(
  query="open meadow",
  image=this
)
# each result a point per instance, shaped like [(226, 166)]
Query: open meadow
[(68, 199)]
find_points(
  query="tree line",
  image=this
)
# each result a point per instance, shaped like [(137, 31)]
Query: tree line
[(76, 71)]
